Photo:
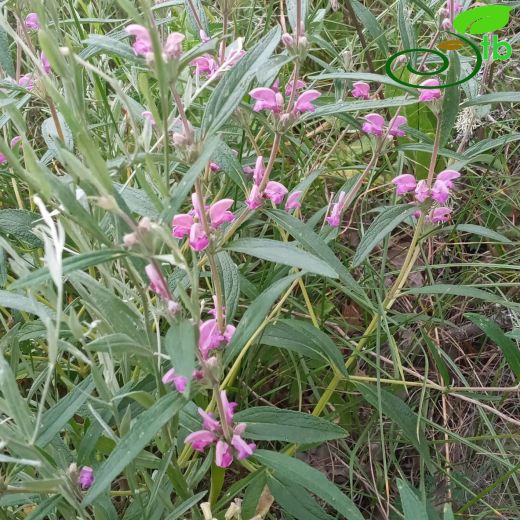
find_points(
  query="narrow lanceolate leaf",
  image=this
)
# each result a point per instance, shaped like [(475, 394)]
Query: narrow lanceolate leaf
[(316, 245), (70, 264), (99, 43), (364, 76), (6, 60), (383, 224), (292, 11), (370, 23), (230, 277), (185, 506), (23, 303), (51, 135), (451, 99), (56, 417), (480, 231), (496, 97), (497, 335), (268, 423), (283, 253), (139, 436), (255, 315), (181, 344), (413, 508), (18, 223), (303, 338), (235, 83), (298, 472), (400, 413)]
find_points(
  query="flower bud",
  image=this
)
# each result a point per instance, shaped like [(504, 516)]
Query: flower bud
[(287, 40)]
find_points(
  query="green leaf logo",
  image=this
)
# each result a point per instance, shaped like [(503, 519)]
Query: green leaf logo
[(481, 20)]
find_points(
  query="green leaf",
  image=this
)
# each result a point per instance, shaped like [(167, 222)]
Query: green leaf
[(475, 230), (181, 190), (255, 315), (451, 100), (448, 512), (364, 76), (230, 277), (267, 423), (296, 471), (413, 508), (181, 345), (19, 223), (118, 344), (304, 234), (497, 335), (291, 11), (405, 26), (401, 414), (52, 138), (6, 60), (462, 290), (22, 303), (137, 200), (369, 21), (490, 144), (128, 448), (496, 97), (55, 418), (223, 156), (185, 506), (196, 16), (98, 43), (383, 224), (303, 338), (235, 83), (70, 264), (15, 403), (283, 253), (296, 500), (483, 19)]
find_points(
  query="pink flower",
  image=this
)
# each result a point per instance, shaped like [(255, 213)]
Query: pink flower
[(293, 201), (275, 191), (289, 87), (26, 81), (218, 212), (198, 238), (45, 64), (430, 94), (259, 170), (205, 65), (223, 454), (173, 46), (229, 331), (267, 99), (143, 43), (404, 183), (304, 101), (361, 90), (86, 477), (204, 37), (395, 124), (200, 440), (148, 116), (440, 191), (180, 382), (157, 282), (214, 167), (208, 421), (209, 337), (243, 449), (448, 176), (229, 408), (3, 158), (373, 124), (233, 54), (334, 218), (254, 200), (422, 191), (14, 141), (446, 25), (32, 22), (441, 214), (181, 225)]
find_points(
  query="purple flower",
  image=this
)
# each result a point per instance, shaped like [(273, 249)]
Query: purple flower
[(173, 46), (201, 439), (440, 191), (32, 22), (395, 124), (373, 124), (214, 167), (243, 449), (86, 477), (181, 225), (304, 101), (143, 43), (439, 215), (275, 191), (430, 94), (267, 99), (293, 201), (259, 170), (205, 65), (26, 81), (229, 408), (148, 116), (157, 282), (198, 238), (289, 87), (404, 183), (422, 191), (180, 382), (218, 212), (254, 200), (223, 454), (208, 421), (361, 90), (447, 176), (334, 217), (45, 64)]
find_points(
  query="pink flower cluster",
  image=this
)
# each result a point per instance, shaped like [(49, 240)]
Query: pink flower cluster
[(180, 382), (207, 65), (361, 90), (228, 440), (172, 48), (432, 93), (446, 16), (439, 192), (275, 191), (191, 224), (14, 142), (375, 124)]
